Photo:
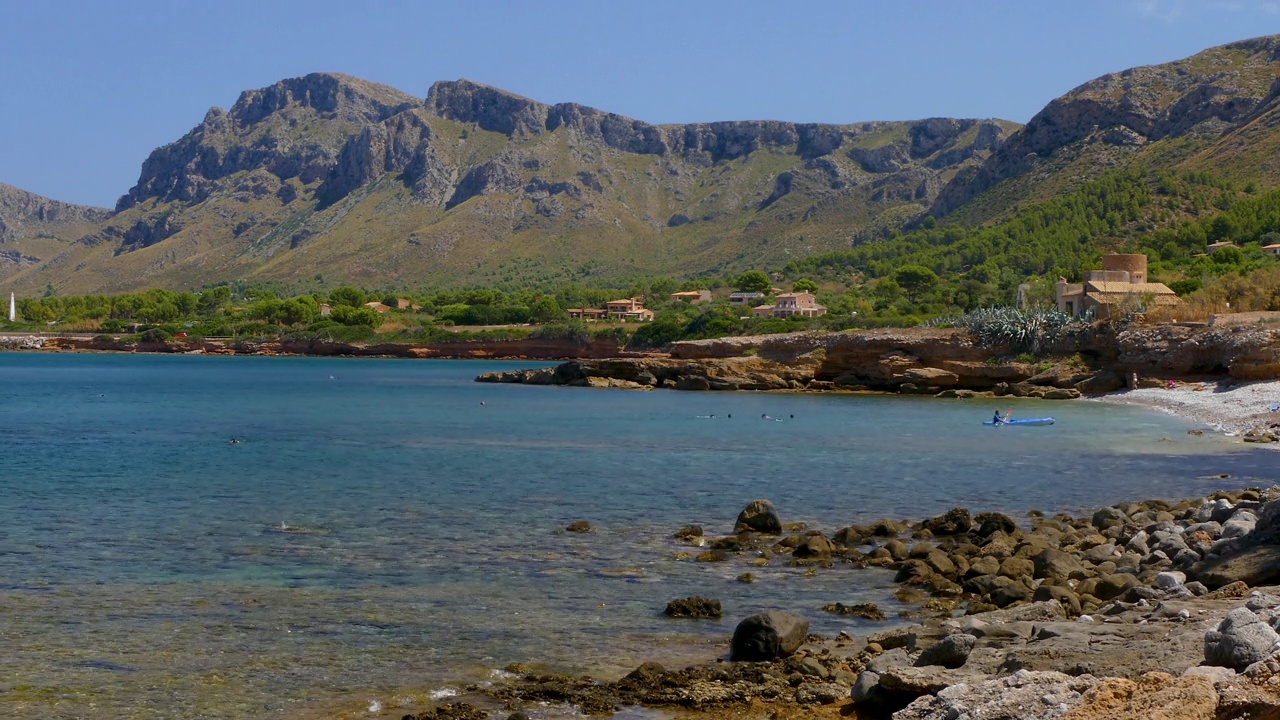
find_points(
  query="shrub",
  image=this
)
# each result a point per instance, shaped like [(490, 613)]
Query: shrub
[(571, 330)]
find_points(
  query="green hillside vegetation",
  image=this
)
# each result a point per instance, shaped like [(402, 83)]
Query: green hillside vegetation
[(1170, 219), (934, 271)]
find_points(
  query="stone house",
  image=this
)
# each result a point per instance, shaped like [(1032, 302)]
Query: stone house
[(1122, 280), (626, 309), (788, 304), (797, 303), (693, 297)]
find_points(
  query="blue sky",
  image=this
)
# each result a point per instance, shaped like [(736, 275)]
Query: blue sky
[(90, 88)]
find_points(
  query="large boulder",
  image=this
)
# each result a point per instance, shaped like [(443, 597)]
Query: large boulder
[(1113, 586), (989, 523), (1108, 517), (930, 376), (1241, 639), (759, 516), (814, 545), (1254, 566), (768, 636), (1024, 695), (950, 652), (1054, 564)]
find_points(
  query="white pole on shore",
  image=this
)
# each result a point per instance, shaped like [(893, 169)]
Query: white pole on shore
[(13, 309)]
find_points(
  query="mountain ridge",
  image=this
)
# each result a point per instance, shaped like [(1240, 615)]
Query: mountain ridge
[(330, 175)]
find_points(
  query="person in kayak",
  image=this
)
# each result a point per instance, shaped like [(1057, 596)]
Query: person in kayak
[(995, 419)]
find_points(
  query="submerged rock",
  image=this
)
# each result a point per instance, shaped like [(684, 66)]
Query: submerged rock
[(694, 606)]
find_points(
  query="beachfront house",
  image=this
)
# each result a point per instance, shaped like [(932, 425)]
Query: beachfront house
[(591, 314), (1273, 249), (1215, 247), (693, 297), (1121, 281), (378, 307)]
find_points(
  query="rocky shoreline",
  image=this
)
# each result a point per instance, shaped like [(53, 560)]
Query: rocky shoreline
[(950, 363), (1157, 609)]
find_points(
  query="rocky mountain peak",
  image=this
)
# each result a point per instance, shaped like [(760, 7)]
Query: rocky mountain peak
[(293, 128), (487, 107), (329, 95)]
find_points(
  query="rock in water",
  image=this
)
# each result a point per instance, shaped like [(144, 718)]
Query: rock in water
[(954, 522), (578, 526), (760, 516), (768, 636), (695, 606)]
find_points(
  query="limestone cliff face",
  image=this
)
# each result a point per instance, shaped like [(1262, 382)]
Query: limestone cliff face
[(294, 128), (1119, 117), (24, 214), (328, 174)]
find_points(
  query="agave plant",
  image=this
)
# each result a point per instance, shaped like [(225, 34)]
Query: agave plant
[(1028, 330)]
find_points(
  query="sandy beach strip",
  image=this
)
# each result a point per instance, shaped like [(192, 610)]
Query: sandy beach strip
[(1232, 408)]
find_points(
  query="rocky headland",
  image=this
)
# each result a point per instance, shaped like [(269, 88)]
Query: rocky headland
[(953, 363), (1146, 609), (523, 349)]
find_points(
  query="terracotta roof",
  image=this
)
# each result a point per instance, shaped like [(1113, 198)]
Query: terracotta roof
[(1113, 298), (1096, 287)]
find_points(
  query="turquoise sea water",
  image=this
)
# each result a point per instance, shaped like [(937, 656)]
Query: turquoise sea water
[(387, 528)]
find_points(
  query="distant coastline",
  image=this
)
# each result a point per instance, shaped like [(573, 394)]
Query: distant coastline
[(1225, 378)]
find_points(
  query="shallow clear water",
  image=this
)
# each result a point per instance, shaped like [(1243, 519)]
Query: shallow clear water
[(379, 531)]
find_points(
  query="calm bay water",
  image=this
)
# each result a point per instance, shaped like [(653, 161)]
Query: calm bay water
[(388, 528)]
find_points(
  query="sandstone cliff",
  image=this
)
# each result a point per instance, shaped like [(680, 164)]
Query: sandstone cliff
[(934, 361)]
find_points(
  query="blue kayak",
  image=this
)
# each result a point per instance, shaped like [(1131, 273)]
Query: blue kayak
[(1028, 421)]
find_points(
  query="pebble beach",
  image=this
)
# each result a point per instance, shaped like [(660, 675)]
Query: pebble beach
[(1232, 408)]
